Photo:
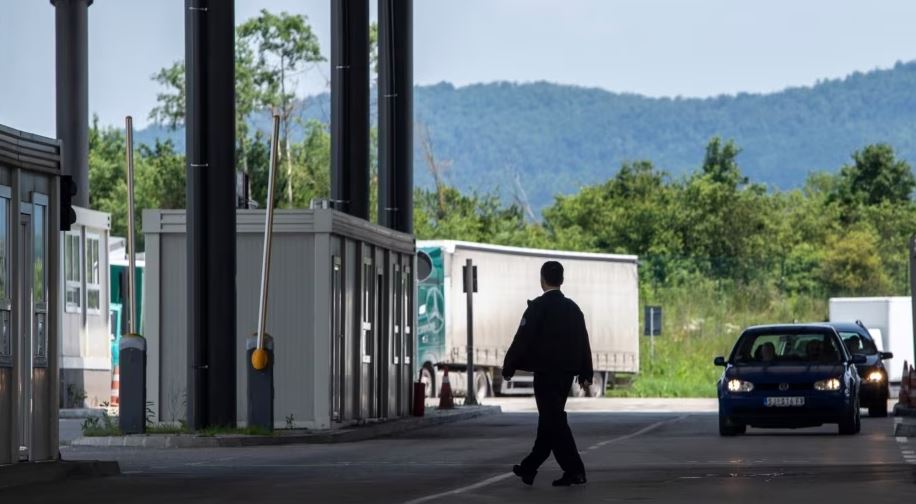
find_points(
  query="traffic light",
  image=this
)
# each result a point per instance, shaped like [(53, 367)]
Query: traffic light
[(67, 192)]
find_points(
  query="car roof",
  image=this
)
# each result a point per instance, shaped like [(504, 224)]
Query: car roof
[(815, 328), (849, 327)]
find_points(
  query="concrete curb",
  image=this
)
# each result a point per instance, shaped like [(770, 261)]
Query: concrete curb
[(905, 423), (80, 413), (343, 435), (31, 473), (903, 411)]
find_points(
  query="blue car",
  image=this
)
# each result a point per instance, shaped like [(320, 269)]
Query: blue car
[(875, 390), (798, 375)]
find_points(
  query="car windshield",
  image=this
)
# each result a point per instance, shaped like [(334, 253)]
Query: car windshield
[(787, 348), (858, 344)]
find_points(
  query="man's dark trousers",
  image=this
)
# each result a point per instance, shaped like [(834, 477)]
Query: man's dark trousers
[(550, 392)]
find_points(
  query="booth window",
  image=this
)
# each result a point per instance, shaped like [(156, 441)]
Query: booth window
[(395, 347), (93, 280), (366, 340), (40, 256), (6, 349), (409, 289), (4, 248), (39, 287), (72, 271)]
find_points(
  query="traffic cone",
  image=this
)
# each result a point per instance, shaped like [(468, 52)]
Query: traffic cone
[(903, 398), (446, 401), (116, 386)]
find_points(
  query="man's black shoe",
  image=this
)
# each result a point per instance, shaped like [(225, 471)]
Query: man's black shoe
[(569, 480), (527, 478)]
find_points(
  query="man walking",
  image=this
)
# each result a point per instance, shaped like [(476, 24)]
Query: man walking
[(552, 342)]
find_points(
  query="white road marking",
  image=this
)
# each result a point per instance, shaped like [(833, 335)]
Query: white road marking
[(475, 486), (498, 478), (637, 433), (909, 456)]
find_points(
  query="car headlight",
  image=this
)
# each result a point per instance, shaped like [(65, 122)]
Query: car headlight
[(875, 377), (740, 386), (828, 384)]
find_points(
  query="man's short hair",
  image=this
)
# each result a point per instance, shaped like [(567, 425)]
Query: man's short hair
[(552, 273)]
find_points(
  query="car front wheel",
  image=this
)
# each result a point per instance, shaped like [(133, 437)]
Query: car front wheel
[(852, 423), (878, 408), (728, 428)]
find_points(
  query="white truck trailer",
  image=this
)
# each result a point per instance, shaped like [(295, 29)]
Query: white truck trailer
[(888, 319), (605, 286)]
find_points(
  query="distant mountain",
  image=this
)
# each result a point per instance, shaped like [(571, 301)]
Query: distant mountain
[(548, 139)]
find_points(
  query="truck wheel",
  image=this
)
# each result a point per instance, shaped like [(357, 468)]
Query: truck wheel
[(496, 385), (483, 386), (427, 377), (576, 391), (596, 389)]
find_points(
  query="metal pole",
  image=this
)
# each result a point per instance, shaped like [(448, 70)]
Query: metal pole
[(350, 107), (131, 261), (72, 90), (651, 333), (395, 120), (471, 399), (132, 347), (211, 216), (268, 233)]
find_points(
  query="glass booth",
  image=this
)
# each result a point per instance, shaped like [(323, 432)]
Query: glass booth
[(29, 299)]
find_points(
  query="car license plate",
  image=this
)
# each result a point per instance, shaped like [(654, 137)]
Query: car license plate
[(783, 402)]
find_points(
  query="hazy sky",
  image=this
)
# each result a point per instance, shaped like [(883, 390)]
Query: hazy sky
[(651, 47)]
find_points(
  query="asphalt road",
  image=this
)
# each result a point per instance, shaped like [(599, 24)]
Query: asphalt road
[(630, 456)]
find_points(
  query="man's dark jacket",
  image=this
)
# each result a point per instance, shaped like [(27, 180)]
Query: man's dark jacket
[(551, 338)]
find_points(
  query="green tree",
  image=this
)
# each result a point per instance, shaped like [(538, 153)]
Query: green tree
[(170, 102), (312, 157), (284, 46), (720, 163), (159, 177), (852, 266), (373, 47), (271, 52), (876, 176)]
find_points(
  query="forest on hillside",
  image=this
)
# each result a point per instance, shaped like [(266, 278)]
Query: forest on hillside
[(542, 139)]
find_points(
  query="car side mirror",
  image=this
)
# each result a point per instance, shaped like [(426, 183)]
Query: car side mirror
[(885, 355), (858, 359), (719, 361)]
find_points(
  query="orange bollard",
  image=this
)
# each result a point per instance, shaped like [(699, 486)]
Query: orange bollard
[(446, 401)]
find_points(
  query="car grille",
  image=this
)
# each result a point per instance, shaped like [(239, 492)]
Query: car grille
[(792, 386)]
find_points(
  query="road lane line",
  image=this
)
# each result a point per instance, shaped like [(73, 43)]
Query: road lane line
[(637, 433), (500, 477), (475, 486), (901, 439)]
